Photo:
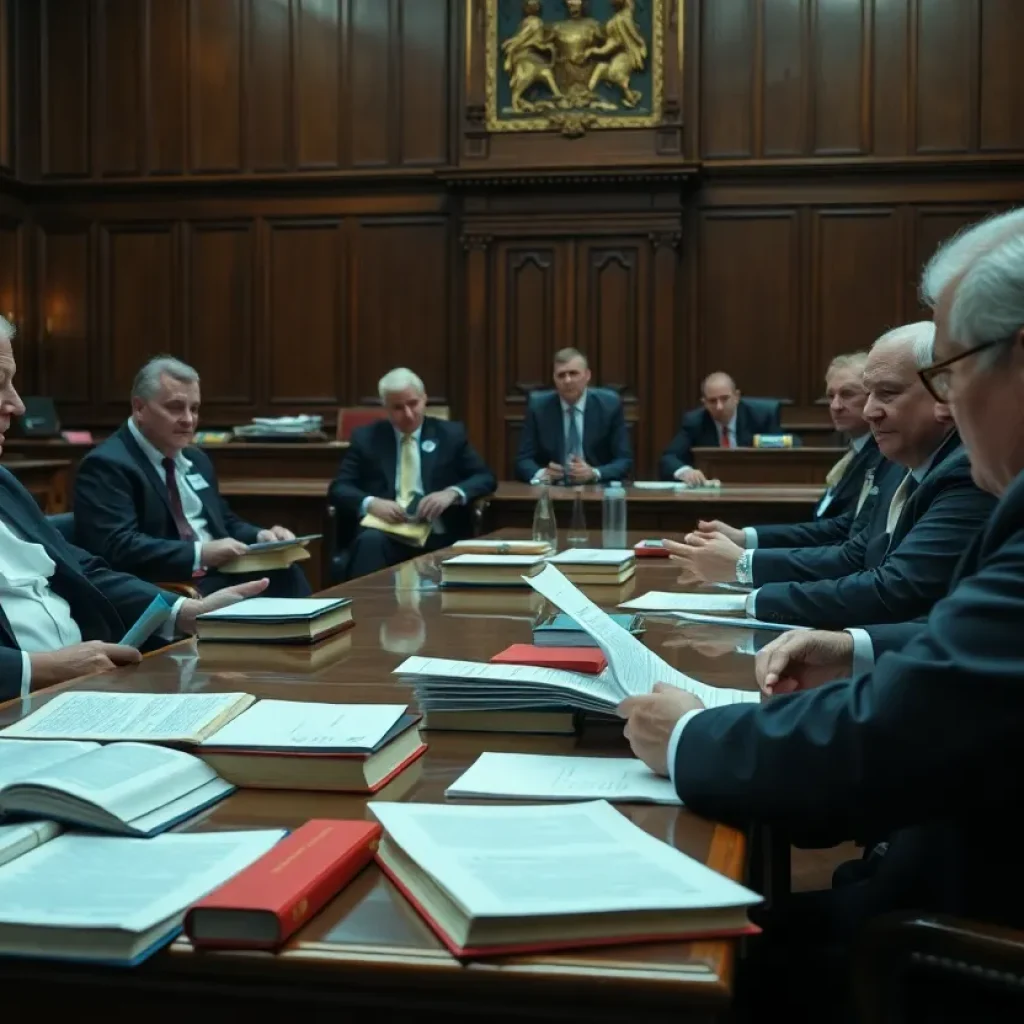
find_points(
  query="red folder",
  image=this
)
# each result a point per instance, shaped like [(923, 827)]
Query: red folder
[(645, 549), (571, 659)]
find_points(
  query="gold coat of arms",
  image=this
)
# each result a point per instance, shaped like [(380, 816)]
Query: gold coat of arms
[(573, 65)]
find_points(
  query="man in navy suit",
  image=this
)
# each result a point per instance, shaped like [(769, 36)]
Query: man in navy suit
[(575, 434), (147, 500), (727, 420), (924, 747), (409, 480), (63, 611)]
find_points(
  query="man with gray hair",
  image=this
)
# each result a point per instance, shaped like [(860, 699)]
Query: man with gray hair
[(407, 482), (901, 562), (923, 747), (148, 503)]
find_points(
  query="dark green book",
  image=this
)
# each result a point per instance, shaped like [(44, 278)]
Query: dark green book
[(562, 631)]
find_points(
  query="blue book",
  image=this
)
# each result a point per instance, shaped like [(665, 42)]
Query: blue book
[(561, 630)]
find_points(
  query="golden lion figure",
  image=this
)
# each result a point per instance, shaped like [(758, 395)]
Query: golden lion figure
[(523, 61), (625, 47)]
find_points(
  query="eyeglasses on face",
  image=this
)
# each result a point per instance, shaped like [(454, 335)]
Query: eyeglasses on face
[(936, 378)]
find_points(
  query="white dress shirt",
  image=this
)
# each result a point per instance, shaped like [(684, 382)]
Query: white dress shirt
[(730, 429), (581, 407), (187, 481)]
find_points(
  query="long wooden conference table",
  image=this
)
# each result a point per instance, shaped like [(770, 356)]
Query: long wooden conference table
[(369, 952)]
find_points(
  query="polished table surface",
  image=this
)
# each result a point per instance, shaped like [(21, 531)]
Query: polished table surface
[(369, 947)]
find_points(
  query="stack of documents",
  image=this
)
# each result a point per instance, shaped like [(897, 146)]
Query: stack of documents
[(279, 620)]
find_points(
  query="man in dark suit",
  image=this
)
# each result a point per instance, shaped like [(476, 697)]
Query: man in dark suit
[(727, 420), (925, 748), (147, 501), (851, 487), (63, 611), (409, 481), (900, 564), (575, 434)]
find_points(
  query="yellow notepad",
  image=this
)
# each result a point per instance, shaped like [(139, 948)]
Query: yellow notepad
[(413, 533)]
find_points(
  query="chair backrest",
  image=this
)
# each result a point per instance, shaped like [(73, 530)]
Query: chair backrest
[(355, 416), (766, 406), (64, 524)]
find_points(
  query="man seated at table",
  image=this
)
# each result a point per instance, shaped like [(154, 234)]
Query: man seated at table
[(63, 611), (726, 420), (851, 484), (147, 501), (408, 480), (575, 434), (925, 747), (900, 563)]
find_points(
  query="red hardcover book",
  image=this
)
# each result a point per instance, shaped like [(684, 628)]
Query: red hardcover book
[(571, 659), (650, 549), (276, 895)]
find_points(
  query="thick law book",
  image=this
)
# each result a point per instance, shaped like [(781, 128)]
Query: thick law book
[(132, 789), (489, 570), (596, 566), (480, 546), (573, 659), (282, 620), (497, 880), (561, 630), (113, 900), (282, 744), (267, 902)]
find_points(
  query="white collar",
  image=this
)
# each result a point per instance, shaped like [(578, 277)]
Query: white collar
[(581, 404), (857, 444)]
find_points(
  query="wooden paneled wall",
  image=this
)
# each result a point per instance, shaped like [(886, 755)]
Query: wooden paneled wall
[(295, 195)]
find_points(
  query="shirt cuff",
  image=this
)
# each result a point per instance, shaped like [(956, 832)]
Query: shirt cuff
[(198, 560), (673, 741), (597, 474), (538, 477), (863, 651), (749, 537), (751, 605), (461, 493), (365, 507), (169, 628), (678, 474), (26, 673)]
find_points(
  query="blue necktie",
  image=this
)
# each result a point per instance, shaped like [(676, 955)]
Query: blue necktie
[(572, 441)]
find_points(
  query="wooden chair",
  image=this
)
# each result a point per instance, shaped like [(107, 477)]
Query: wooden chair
[(912, 967)]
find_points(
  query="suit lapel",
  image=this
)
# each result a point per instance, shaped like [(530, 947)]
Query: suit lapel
[(744, 434), (428, 454), (592, 429), (205, 494), (387, 446), (556, 424), (148, 469)]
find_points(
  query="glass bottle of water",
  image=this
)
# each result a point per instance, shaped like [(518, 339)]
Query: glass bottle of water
[(578, 536), (613, 516), (544, 526)]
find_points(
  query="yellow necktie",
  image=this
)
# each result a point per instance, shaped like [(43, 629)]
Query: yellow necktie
[(407, 470), (838, 471)]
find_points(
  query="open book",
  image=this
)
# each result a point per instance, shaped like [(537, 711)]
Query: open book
[(125, 788), (498, 880), (109, 899), (184, 718), (445, 685)]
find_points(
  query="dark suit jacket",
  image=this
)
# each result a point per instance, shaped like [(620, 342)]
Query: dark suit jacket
[(840, 517), (606, 446), (924, 750), (699, 430), (123, 514), (877, 578), (103, 603), (368, 470), (827, 549)]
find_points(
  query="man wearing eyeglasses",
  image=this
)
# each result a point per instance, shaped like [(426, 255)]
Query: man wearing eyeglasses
[(901, 563), (924, 748)]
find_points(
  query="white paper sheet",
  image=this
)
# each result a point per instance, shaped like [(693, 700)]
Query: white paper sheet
[(735, 623), (664, 601), (553, 777)]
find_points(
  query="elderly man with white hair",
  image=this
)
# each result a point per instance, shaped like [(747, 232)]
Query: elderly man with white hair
[(900, 563), (924, 748), (408, 480)]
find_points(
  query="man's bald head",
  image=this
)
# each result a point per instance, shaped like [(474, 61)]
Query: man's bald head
[(720, 396)]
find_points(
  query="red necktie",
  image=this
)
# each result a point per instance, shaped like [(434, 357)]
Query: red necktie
[(726, 443), (185, 532)]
